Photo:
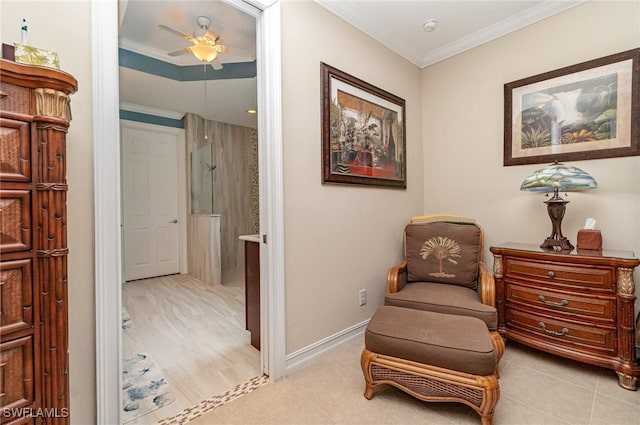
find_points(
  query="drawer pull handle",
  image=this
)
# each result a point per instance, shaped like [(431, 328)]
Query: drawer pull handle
[(560, 304), (551, 274), (554, 333)]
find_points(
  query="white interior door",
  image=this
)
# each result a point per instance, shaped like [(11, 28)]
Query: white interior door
[(150, 202)]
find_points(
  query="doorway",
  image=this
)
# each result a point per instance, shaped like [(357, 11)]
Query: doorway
[(153, 190), (108, 267), (183, 327)]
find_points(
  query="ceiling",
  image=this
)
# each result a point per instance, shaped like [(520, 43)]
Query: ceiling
[(227, 99), (462, 25)]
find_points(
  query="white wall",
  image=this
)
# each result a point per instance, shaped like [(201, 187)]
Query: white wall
[(338, 239), (463, 131), (64, 28)]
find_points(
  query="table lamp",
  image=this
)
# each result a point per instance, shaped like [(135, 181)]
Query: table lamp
[(558, 177)]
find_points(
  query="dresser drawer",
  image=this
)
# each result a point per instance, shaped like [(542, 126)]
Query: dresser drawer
[(16, 297), (23, 420), (603, 307), (15, 151), (15, 222), (561, 275), (584, 337), (16, 361), (17, 99)]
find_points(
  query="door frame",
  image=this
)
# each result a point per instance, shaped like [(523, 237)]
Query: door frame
[(107, 202), (182, 186)]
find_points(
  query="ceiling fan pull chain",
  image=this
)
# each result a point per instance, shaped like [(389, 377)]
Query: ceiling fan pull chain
[(204, 76)]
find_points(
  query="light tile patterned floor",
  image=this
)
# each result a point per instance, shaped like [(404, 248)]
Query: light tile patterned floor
[(195, 333), (536, 389)]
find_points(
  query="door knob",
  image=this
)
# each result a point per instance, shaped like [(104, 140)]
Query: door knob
[(175, 220)]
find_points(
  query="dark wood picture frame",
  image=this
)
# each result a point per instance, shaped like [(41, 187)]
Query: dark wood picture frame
[(584, 111), (363, 132)]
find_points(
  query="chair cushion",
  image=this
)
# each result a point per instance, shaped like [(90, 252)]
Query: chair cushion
[(451, 342), (443, 252), (441, 298)]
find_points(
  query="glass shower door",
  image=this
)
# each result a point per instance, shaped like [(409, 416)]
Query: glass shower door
[(202, 168)]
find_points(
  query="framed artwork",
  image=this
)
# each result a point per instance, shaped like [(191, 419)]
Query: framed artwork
[(363, 132), (585, 111)]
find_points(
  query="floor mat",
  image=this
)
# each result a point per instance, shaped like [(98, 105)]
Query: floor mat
[(143, 387)]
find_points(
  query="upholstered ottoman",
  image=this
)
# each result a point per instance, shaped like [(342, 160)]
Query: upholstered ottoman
[(433, 357)]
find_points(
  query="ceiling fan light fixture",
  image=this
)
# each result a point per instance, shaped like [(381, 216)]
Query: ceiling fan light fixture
[(430, 25), (204, 52)]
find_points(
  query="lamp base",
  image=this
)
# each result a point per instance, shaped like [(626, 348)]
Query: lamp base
[(561, 244), (556, 241)]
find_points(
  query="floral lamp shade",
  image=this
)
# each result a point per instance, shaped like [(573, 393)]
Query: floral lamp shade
[(560, 177), (556, 178)]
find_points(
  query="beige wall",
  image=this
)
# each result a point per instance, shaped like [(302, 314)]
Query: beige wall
[(64, 27), (463, 131), (338, 239)]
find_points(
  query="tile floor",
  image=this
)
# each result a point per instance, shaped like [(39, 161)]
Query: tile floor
[(195, 333), (536, 389)]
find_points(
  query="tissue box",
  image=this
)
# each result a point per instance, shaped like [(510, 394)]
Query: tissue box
[(589, 239), (35, 56)]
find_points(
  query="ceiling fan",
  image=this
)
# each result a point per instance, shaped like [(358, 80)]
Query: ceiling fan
[(205, 43)]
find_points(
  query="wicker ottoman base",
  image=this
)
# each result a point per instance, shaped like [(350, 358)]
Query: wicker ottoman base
[(433, 357), (431, 383)]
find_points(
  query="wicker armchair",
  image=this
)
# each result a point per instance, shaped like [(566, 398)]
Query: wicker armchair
[(443, 272)]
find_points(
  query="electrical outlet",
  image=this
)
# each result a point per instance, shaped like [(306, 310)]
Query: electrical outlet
[(362, 294)]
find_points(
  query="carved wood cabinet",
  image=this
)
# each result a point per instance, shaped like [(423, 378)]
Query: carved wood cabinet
[(34, 361), (575, 305)]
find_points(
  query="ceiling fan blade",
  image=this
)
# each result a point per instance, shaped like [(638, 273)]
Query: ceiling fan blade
[(176, 32), (236, 51), (199, 33), (216, 28), (179, 52)]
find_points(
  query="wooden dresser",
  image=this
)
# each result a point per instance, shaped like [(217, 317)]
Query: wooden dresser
[(575, 305), (34, 362)]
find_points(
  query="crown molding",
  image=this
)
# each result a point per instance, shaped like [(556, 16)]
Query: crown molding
[(181, 60), (492, 32), (345, 11), (131, 107), (152, 52), (149, 65)]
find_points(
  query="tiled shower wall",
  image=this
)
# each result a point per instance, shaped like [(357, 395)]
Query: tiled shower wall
[(234, 181)]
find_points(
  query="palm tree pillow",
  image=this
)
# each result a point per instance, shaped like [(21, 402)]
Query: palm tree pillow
[(443, 252)]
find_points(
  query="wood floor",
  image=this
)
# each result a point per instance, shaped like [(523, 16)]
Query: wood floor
[(195, 333)]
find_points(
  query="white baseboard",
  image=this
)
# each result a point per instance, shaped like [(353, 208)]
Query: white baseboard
[(306, 355)]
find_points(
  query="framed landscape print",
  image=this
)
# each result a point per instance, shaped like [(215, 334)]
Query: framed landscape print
[(585, 111), (363, 132)]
